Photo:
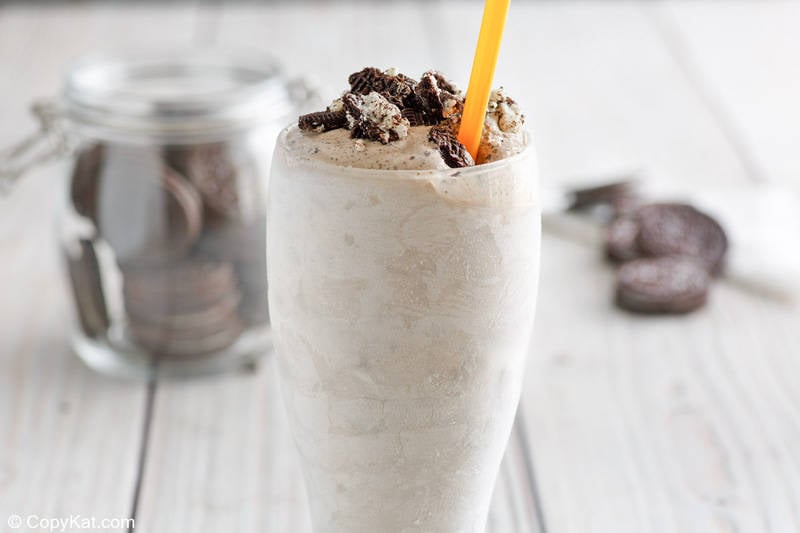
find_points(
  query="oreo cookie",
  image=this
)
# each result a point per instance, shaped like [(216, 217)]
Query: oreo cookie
[(373, 117), (87, 285), (395, 87), (453, 153), (429, 96), (147, 212), (86, 180), (244, 246), (382, 105), (620, 195), (417, 117), (194, 279), (433, 94), (621, 239), (322, 121), (662, 285), (680, 229), (212, 169), (188, 308), (166, 342), (443, 83), (186, 227), (233, 241)]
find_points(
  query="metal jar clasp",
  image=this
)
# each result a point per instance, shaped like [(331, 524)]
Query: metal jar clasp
[(50, 142)]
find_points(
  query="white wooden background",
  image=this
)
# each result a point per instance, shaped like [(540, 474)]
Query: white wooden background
[(627, 424)]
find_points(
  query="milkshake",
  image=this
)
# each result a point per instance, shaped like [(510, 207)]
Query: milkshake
[(403, 282)]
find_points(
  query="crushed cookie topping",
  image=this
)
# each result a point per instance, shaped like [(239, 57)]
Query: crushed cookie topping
[(382, 105)]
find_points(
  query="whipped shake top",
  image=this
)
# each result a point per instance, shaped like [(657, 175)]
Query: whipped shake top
[(387, 120)]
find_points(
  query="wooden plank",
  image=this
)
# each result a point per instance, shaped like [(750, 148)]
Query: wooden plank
[(744, 56), (220, 456), (221, 459), (71, 438), (661, 425), (326, 41), (515, 505)]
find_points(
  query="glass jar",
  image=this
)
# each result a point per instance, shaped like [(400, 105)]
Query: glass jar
[(164, 231)]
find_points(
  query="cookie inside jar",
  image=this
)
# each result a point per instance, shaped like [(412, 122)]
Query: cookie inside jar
[(186, 225)]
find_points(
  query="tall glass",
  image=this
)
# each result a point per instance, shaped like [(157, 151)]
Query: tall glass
[(402, 306)]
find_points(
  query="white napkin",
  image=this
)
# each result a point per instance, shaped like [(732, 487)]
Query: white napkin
[(762, 222)]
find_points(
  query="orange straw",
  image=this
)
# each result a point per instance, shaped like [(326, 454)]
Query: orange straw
[(480, 81)]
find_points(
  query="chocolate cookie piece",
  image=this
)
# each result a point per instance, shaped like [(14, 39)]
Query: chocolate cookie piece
[(212, 170), (621, 239), (434, 100), (147, 212), (165, 342), (233, 240), (667, 229), (191, 279), (663, 285), (322, 121), (373, 117), (453, 153), (87, 286), (431, 96), (443, 83), (417, 117), (244, 245), (188, 308), (382, 105), (176, 313), (395, 87), (86, 180), (607, 194), (183, 212)]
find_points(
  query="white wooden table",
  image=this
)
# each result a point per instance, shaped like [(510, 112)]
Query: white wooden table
[(627, 424)]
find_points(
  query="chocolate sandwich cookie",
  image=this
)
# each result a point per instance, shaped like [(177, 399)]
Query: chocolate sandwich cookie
[(192, 279), (680, 229), (86, 180), (147, 212), (84, 272), (233, 240), (322, 121), (607, 194), (662, 285), (621, 239), (245, 246), (454, 154), (165, 342), (174, 314), (187, 327), (183, 309), (395, 87), (217, 173), (193, 294)]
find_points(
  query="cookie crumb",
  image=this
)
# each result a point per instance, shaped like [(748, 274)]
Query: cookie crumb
[(372, 116)]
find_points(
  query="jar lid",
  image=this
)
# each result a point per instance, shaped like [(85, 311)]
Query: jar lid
[(174, 94)]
